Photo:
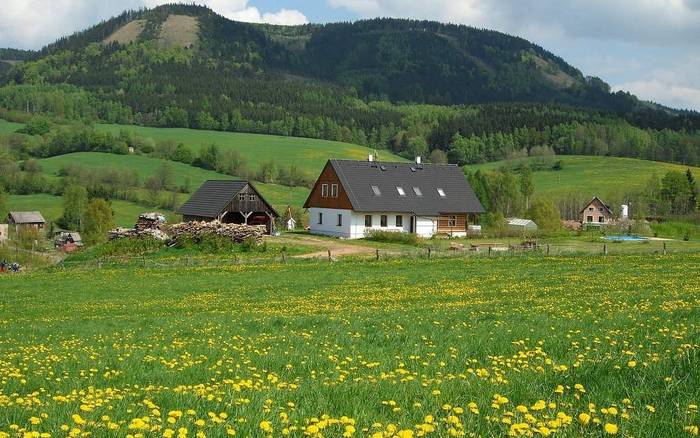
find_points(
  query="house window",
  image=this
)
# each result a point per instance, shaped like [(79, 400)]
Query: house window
[(417, 191), (441, 192), (589, 218), (241, 197), (368, 220), (452, 221), (334, 190), (324, 190), (590, 208), (251, 197), (320, 218), (601, 219), (399, 220), (376, 191), (340, 220), (401, 191), (600, 209), (383, 221)]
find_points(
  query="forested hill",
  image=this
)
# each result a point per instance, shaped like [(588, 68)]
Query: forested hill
[(397, 60), (416, 87)]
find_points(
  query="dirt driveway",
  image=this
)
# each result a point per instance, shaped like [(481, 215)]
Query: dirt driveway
[(319, 247)]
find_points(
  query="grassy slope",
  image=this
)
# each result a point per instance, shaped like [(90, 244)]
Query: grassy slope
[(308, 154), (8, 127), (351, 336), (591, 176), (278, 195), (51, 207)]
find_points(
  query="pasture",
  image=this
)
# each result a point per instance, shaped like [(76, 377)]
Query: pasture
[(571, 346), (51, 207), (606, 177), (280, 196), (306, 153)]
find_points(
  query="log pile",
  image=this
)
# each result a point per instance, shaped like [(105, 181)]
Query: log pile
[(133, 233), (236, 232), (149, 221)]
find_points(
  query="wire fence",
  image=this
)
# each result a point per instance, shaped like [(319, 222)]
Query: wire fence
[(481, 250)]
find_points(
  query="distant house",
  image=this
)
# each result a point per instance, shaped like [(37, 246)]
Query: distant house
[(351, 198), (522, 225), (26, 219), (68, 241), (232, 202), (596, 212)]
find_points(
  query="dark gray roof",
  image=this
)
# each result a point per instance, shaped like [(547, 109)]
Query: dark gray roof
[(211, 198), (27, 217), (358, 177)]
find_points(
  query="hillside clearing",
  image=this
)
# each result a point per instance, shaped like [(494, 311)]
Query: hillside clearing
[(477, 346), (179, 31), (127, 34)]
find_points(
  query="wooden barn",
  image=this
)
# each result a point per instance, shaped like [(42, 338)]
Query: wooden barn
[(230, 202), (26, 219)]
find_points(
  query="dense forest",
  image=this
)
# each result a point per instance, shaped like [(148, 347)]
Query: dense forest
[(417, 88)]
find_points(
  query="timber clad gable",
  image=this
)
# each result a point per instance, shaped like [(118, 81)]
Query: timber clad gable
[(323, 197)]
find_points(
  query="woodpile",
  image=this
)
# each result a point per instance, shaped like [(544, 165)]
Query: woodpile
[(236, 232), (149, 221), (133, 233)]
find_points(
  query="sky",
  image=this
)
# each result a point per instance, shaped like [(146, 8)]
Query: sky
[(650, 48)]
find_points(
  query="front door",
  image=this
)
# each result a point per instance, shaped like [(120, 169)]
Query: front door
[(412, 225)]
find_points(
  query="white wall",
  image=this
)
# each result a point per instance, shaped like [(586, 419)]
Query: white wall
[(330, 226), (353, 224)]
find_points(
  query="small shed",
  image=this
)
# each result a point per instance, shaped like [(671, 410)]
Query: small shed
[(291, 222), (523, 225), (26, 219), (229, 202)]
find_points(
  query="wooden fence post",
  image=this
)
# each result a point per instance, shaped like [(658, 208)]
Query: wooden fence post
[(548, 249), (377, 254), (329, 256), (284, 258), (429, 251), (605, 249), (489, 249), (664, 251)]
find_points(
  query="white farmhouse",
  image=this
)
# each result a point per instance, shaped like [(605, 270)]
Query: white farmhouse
[(352, 197)]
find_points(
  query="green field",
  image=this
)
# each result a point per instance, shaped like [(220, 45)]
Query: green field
[(279, 196), (308, 154), (473, 347), (8, 127), (51, 207), (607, 177)]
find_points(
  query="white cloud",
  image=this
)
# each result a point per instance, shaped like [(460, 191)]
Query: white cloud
[(34, 23)]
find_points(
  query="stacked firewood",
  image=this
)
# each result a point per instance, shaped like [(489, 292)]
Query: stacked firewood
[(122, 233), (149, 221), (236, 232)]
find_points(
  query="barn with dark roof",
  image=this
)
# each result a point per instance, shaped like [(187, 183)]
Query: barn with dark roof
[(351, 198), (235, 202)]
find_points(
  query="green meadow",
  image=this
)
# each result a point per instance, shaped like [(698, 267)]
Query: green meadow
[(51, 207), (308, 154), (501, 346), (280, 196), (607, 177)]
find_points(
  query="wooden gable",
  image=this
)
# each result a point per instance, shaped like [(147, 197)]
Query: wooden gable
[(328, 178)]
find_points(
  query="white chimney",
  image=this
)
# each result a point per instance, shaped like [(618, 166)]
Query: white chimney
[(625, 211), (418, 160), (370, 157)]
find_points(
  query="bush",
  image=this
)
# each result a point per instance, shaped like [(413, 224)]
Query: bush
[(392, 237)]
